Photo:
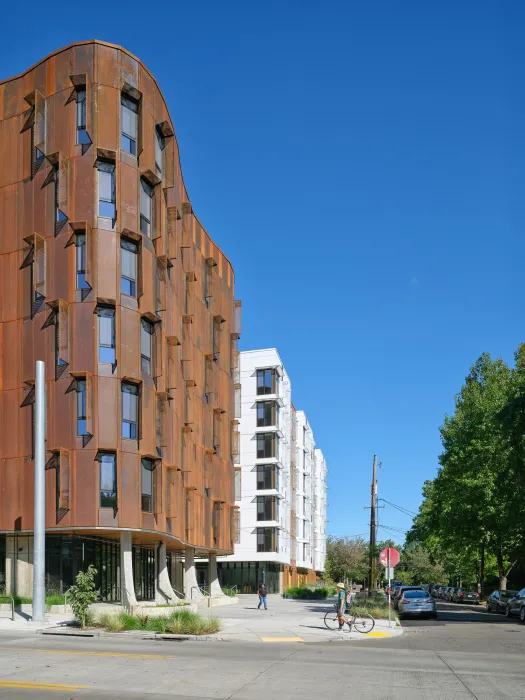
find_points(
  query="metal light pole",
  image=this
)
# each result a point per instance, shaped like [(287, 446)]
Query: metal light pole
[(39, 588)]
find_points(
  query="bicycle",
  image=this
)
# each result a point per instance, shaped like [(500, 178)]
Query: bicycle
[(362, 622)]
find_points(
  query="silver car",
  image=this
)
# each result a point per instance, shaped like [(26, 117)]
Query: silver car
[(416, 603)]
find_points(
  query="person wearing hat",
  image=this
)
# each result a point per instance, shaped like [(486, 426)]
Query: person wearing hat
[(341, 604)]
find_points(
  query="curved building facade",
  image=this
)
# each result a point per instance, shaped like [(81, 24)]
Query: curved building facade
[(108, 277)]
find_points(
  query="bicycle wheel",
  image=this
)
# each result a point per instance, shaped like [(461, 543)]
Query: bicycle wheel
[(331, 620), (363, 623)]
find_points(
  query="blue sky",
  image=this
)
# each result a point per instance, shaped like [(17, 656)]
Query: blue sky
[(361, 163)]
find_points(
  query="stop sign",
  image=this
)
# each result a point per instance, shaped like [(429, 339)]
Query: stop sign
[(394, 556)]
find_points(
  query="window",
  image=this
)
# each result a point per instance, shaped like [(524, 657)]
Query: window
[(108, 480), (304, 483), (267, 477), (106, 190), (147, 330), (266, 381), (266, 445), (304, 551), (237, 483), (81, 407), (267, 508), (159, 152), (266, 414), (216, 432), (128, 267), (267, 539), (129, 110), (130, 411), (148, 467), (58, 361), (146, 207), (106, 334), (82, 135), (56, 455), (60, 217), (80, 261), (304, 529)]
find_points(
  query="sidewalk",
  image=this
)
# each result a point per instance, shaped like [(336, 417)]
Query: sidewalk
[(288, 620), (284, 621)]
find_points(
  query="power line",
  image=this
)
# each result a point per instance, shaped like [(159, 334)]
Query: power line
[(400, 508)]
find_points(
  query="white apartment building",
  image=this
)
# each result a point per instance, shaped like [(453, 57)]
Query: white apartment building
[(280, 484)]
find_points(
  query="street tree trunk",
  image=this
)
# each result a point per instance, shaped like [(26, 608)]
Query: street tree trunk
[(482, 571), (501, 571)]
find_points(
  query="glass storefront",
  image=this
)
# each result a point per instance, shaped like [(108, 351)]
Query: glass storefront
[(248, 575), (2, 562), (66, 556), (144, 572)]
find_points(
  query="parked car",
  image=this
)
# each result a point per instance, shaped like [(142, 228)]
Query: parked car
[(402, 589), (435, 590), (438, 592), (463, 595), (447, 593), (416, 602), (516, 605), (497, 601)]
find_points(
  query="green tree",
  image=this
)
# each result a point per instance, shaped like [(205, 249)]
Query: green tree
[(83, 594), (346, 558)]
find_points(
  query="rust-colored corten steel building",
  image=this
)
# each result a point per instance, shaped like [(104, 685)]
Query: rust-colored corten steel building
[(108, 277)]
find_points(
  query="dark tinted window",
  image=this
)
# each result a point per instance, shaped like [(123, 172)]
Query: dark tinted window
[(504, 595), (415, 594)]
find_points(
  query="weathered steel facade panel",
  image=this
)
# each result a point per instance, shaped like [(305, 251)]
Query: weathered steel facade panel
[(63, 268)]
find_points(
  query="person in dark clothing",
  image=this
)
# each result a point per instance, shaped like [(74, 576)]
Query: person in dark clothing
[(262, 597)]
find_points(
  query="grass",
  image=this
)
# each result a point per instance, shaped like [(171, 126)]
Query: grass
[(179, 622), (51, 599), (377, 608), (310, 592)]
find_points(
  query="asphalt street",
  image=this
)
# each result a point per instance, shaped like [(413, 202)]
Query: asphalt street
[(465, 654)]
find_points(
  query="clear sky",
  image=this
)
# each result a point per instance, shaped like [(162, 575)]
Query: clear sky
[(361, 163)]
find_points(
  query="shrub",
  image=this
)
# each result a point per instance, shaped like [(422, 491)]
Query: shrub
[(83, 594), (310, 592), (110, 621), (232, 592)]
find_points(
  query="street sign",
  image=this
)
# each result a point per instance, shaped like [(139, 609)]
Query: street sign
[(389, 573), (389, 557)]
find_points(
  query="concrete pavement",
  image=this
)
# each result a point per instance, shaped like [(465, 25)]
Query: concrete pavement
[(136, 670)]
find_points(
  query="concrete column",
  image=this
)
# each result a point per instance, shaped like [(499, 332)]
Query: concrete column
[(164, 593), (19, 565), (213, 577), (191, 590), (127, 585)]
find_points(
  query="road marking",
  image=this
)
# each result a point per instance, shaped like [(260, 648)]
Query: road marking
[(378, 634), (88, 653), (282, 639), (29, 685)]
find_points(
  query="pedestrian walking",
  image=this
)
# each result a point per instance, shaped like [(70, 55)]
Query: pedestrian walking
[(262, 597)]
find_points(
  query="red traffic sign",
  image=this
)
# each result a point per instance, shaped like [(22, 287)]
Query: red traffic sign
[(394, 557)]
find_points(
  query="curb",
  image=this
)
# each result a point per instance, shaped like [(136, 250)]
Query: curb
[(60, 632)]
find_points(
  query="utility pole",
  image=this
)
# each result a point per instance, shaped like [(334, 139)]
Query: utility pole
[(39, 588), (371, 572)]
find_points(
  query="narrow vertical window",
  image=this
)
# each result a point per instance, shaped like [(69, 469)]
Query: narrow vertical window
[(148, 467), (147, 330), (108, 480), (106, 190), (130, 410), (82, 135), (129, 125), (106, 335), (58, 361), (159, 152), (81, 407), (80, 261), (128, 267), (146, 207)]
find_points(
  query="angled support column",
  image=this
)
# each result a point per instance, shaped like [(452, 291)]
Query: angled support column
[(127, 585), (164, 593), (191, 587), (213, 577)]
